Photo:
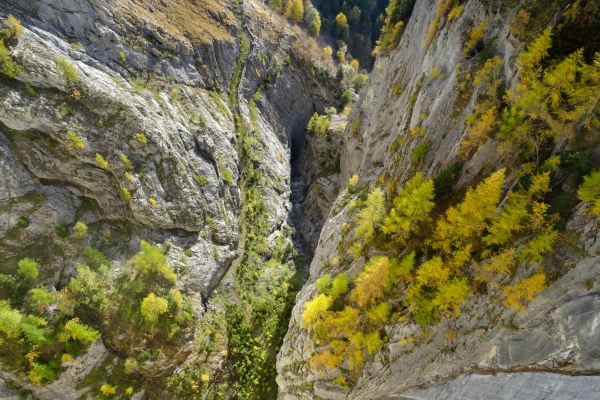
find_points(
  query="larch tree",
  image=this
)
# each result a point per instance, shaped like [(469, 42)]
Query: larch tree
[(589, 191), (470, 218), (296, 10), (524, 291), (372, 282), (412, 206), (369, 219), (153, 306)]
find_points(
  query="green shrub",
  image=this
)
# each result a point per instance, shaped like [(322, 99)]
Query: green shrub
[(75, 142), (67, 71), (22, 223), (323, 283), (9, 67), (420, 152), (29, 268), (80, 230), (201, 180), (359, 82), (346, 97), (61, 231), (14, 28), (95, 259), (42, 296), (31, 90), (122, 56), (227, 178)]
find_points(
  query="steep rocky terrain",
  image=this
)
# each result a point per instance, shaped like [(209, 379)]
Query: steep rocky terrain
[(554, 333), (180, 127)]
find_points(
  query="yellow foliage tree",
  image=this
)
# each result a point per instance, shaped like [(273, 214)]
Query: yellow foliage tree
[(589, 191), (150, 261), (380, 314), (538, 246), (475, 35), (341, 322), (153, 306), (451, 295), (371, 216), (524, 291), (372, 282), (509, 221), (469, 219), (108, 390), (324, 361), (480, 131), (412, 206), (433, 273), (315, 310), (296, 10), (500, 265)]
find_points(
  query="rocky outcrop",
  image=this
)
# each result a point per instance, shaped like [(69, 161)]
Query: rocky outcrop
[(180, 134), (525, 385), (190, 44)]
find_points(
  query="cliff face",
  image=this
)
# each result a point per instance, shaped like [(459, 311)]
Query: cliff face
[(554, 333), (113, 122)]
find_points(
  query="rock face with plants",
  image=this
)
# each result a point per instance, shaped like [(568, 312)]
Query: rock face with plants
[(464, 240), (198, 201)]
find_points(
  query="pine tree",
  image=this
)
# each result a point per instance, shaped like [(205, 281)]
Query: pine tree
[(480, 131), (296, 10), (508, 222), (584, 97), (589, 191), (151, 262), (451, 295), (524, 291), (372, 342), (402, 270), (29, 268), (379, 314), (500, 265), (42, 296), (90, 287), (341, 322), (538, 246), (323, 361), (475, 35), (372, 282), (460, 257), (528, 62), (10, 320), (412, 205), (323, 284), (81, 332), (432, 273), (339, 286), (469, 219), (371, 217)]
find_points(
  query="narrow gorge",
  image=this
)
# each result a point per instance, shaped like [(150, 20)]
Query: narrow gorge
[(286, 199)]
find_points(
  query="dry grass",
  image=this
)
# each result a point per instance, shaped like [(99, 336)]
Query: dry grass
[(191, 19)]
